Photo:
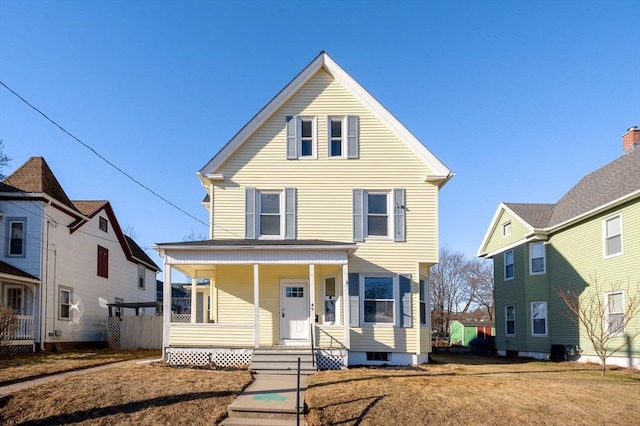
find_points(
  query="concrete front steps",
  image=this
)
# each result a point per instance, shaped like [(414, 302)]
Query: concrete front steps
[(269, 400), (283, 360)]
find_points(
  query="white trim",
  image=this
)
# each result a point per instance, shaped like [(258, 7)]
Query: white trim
[(343, 136), (506, 320), (346, 305), (314, 136), (396, 302), (607, 313), (506, 229), (492, 229), (166, 305), (336, 301), (256, 305), (504, 265), (69, 290), (390, 215), (281, 214), (546, 319), (544, 257), (303, 282), (440, 172), (605, 236)]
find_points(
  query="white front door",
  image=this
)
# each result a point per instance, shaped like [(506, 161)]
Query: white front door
[(294, 311)]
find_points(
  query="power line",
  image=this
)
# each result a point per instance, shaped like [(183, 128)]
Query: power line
[(101, 157)]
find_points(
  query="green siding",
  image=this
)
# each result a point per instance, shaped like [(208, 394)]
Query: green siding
[(518, 232), (575, 259)]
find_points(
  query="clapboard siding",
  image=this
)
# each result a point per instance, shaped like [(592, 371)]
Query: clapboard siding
[(518, 232), (213, 335)]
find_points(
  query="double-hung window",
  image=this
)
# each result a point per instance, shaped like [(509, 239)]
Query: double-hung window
[(301, 137), (612, 235), (335, 127), (539, 318), (330, 297), (614, 312), (64, 298), (506, 229), (423, 302), (537, 259), (508, 265), (510, 320), (141, 273), (17, 240), (379, 214), (379, 300), (270, 214)]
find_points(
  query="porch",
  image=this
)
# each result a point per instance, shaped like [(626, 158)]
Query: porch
[(260, 296)]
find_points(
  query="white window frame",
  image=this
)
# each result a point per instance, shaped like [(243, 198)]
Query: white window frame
[(69, 290), (314, 136), (336, 300), (507, 320), (343, 136), (142, 272), (390, 215), (546, 319), (506, 229), (23, 247), (513, 265), (606, 237), (607, 312), (544, 258), (394, 299), (7, 288), (281, 213)]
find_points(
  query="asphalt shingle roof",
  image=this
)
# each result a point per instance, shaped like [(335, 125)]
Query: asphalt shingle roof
[(615, 180), (5, 268)]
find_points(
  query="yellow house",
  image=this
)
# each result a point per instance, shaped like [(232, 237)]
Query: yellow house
[(323, 216)]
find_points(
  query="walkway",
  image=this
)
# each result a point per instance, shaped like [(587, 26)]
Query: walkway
[(7, 390)]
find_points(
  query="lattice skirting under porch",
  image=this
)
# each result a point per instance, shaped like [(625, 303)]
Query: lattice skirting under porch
[(331, 359), (326, 359), (8, 350), (236, 358)]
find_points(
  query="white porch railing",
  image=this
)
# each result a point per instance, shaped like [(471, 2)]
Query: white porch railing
[(24, 329)]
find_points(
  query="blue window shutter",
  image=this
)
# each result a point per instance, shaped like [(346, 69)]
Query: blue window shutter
[(353, 136), (292, 143), (400, 226), (290, 213), (354, 299), (406, 314), (250, 214), (358, 215)]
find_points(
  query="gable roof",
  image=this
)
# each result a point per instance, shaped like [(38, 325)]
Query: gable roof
[(6, 269), (611, 184), (138, 253), (89, 207), (35, 176), (441, 174)]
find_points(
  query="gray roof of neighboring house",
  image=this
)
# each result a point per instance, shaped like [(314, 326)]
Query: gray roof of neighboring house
[(249, 242), (617, 179), (139, 253), (5, 268)]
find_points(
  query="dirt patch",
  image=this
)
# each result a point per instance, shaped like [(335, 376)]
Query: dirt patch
[(132, 394)]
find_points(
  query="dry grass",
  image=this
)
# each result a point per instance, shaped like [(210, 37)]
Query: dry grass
[(460, 389), (31, 366), (149, 394)]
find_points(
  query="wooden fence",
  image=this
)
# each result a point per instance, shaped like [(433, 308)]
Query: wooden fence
[(135, 332)]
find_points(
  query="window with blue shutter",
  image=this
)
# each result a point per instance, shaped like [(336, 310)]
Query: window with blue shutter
[(354, 299), (353, 136), (406, 313), (399, 219), (270, 214), (379, 214), (301, 137), (358, 219), (250, 214)]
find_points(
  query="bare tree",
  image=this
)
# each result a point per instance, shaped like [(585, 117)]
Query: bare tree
[(130, 232), (481, 278), (195, 237), (450, 292), (607, 326), (4, 160), (8, 323)]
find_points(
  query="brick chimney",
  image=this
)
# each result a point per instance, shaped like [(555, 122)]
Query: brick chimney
[(631, 139)]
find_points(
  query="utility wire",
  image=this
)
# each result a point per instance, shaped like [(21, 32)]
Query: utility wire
[(101, 157)]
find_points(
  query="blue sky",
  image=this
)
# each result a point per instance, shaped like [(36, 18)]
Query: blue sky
[(519, 98)]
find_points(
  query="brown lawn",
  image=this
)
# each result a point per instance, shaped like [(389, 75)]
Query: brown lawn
[(459, 389), (30, 366), (456, 389)]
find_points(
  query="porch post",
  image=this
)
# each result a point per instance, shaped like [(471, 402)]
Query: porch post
[(312, 297), (346, 305), (256, 306), (194, 300), (166, 304)]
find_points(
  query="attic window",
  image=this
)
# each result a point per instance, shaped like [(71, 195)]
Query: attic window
[(103, 225), (506, 229)]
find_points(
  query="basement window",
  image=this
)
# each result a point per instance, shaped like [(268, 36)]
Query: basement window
[(377, 356)]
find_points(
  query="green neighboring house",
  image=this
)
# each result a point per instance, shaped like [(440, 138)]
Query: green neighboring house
[(591, 234), (462, 332)]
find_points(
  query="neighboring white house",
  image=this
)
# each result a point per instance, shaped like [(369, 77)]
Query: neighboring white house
[(62, 261), (324, 223)]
